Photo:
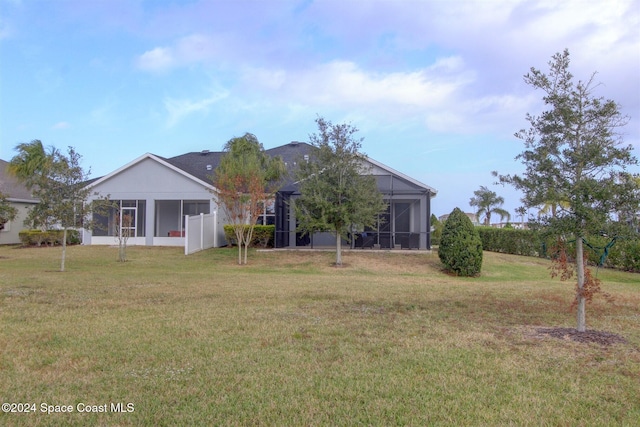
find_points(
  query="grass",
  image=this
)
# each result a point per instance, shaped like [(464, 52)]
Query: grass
[(290, 340)]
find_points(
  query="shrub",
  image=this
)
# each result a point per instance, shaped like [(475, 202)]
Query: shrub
[(511, 241), (262, 235), (460, 246), (48, 237)]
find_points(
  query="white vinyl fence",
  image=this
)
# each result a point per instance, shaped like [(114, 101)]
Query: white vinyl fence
[(200, 232)]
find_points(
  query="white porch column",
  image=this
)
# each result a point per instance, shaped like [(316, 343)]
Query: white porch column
[(149, 222), (424, 212)]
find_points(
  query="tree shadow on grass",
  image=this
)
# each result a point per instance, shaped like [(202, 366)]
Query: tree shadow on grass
[(589, 336)]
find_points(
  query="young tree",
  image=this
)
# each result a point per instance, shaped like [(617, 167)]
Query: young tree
[(106, 214), (57, 180), (488, 202), (244, 179), (436, 230), (336, 191), (575, 159)]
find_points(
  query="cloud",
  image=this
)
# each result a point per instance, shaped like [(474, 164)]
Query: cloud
[(438, 95), (158, 59), (186, 51), (61, 126), (179, 109)]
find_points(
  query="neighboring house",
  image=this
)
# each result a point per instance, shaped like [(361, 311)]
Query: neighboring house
[(473, 217), (158, 192), (518, 225), (19, 197)]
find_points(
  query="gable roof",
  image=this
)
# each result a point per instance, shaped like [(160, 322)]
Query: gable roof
[(162, 161), (200, 165), (14, 190), (295, 151)]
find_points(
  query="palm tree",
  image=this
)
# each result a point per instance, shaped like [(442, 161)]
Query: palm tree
[(488, 202), (32, 162)]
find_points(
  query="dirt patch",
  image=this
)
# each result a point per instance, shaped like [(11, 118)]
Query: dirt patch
[(589, 336)]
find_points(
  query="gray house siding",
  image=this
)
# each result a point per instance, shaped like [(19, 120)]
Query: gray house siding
[(160, 195), (20, 198)]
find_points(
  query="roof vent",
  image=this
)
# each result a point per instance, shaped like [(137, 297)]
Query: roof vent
[(294, 143), (204, 152), (306, 158), (209, 167)]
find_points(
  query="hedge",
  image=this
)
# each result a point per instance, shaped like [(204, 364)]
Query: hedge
[(622, 254), (48, 237), (262, 235)]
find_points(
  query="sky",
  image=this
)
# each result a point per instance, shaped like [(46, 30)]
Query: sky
[(435, 87)]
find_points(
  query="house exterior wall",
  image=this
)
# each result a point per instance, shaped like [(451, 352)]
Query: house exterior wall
[(10, 234), (152, 181)]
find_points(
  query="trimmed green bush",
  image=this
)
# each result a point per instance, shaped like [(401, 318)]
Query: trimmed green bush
[(48, 237), (460, 247), (623, 254), (262, 236), (511, 241)]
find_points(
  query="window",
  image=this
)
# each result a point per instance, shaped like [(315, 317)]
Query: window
[(268, 213), (109, 223)]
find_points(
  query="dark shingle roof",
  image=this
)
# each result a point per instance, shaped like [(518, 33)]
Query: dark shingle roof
[(199, 164), (202, 164), (10, 186)]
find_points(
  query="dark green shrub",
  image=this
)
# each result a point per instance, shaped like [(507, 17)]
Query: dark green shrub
[(262, 236), (460, 246)]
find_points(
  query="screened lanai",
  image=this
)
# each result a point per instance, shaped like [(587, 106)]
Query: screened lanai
[(405, 224)]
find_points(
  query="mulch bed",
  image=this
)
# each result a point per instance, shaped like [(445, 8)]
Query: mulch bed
[(588, 336)]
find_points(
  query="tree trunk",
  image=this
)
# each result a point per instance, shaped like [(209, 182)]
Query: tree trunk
[(247, 242), (580, 298), (239, 241), (122, 251), (64, 248), (338, 250)]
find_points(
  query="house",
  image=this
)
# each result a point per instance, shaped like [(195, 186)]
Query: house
[(156, 193), (405, 224), (473, 217), (19, 197), (159, 192)]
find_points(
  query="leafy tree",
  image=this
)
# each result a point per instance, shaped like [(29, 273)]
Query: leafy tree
[(460, 247), (336, 192), (244, 179), (7, 212), (57, 180), (488, 202), (575, 159), (436, 230)]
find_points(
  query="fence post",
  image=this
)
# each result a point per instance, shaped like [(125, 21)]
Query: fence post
[(201, 231), (215, 229), (186, 234)]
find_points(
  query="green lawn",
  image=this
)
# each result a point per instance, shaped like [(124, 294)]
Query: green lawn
[(290, 340)]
